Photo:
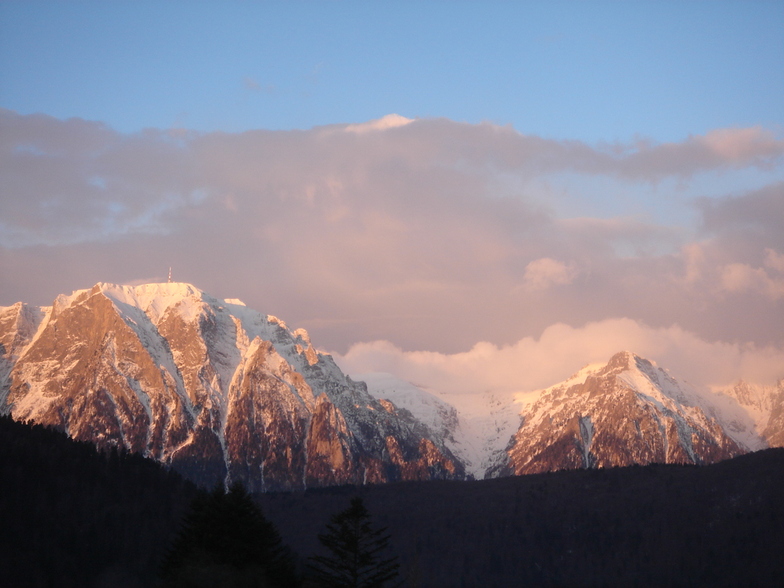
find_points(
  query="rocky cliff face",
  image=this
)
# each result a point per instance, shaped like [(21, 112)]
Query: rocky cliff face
[(626, 412), (216, 390)]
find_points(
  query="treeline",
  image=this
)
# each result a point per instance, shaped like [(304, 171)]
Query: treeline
[(71, 516), (74, 517), (658, 525)]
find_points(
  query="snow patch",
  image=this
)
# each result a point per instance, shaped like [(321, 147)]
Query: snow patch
[(390, 121), (475, 428)]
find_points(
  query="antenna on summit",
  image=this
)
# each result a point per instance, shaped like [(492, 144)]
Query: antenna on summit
[(170, 274)]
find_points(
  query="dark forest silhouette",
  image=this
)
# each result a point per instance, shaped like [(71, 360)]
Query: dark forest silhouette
[(72, 516), (226, 541)]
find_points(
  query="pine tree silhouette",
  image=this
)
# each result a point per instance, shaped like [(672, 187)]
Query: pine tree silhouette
[(226, 541), (356, 549)]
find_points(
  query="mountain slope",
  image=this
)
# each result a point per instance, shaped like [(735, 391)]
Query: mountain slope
[(655, 525), (765, 407), (216, 390), (475, 431), (626, 412)]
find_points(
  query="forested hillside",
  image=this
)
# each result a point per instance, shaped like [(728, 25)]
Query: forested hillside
[(657, 525), (74, 517)]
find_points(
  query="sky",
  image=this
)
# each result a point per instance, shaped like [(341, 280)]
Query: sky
[(472, 196)]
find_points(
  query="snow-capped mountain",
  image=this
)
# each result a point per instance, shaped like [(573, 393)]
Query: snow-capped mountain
[(474, 427), (626, 412), (221, 392), (764, 406), (209, 386)]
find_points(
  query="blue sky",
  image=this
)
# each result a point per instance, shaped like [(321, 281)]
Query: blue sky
[(591, 71), (562, 179)]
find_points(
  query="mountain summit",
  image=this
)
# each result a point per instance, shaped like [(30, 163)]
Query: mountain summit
[(626, 412), (210, 387)]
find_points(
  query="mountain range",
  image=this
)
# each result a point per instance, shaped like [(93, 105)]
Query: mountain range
[(223, 393), (215, 390)]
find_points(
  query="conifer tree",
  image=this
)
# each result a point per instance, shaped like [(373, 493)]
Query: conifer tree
[(226, 541), (356, 549)]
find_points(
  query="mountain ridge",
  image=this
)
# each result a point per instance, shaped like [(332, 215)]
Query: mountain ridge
[(212, 388), (222, 392), (729, 424), (626, 412)]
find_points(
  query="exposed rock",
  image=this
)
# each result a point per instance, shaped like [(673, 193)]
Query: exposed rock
[(210, 387)]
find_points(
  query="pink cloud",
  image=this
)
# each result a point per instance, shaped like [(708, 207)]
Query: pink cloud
[(740, 146), (774, 260), (427, 233), (546, 272), (390, 121), (535, 363), (739, 277)]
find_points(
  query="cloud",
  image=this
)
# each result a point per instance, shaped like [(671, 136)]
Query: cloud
[(720, 148), (390, 121), (751, 219), (739, 277), (741, 146), (543, 273), (428, 233), (250, 84), (536, 363), (72, 181), (774, 260)]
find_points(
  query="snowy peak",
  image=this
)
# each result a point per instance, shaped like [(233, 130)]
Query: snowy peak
[(155, 299), (628, 411), (624, 360), (633, 372), (220, 391), (640, 372)]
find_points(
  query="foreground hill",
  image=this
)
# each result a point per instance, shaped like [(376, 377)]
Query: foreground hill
[(73, 517), (655, 525)]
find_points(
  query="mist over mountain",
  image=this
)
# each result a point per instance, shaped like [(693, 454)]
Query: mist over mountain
[(623, 412)]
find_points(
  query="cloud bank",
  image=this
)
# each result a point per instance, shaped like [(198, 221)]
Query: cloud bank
[(532, 364), (429, 233)]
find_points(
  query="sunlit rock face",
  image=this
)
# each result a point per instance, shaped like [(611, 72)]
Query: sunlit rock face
[(216, 390), (626, 412)]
